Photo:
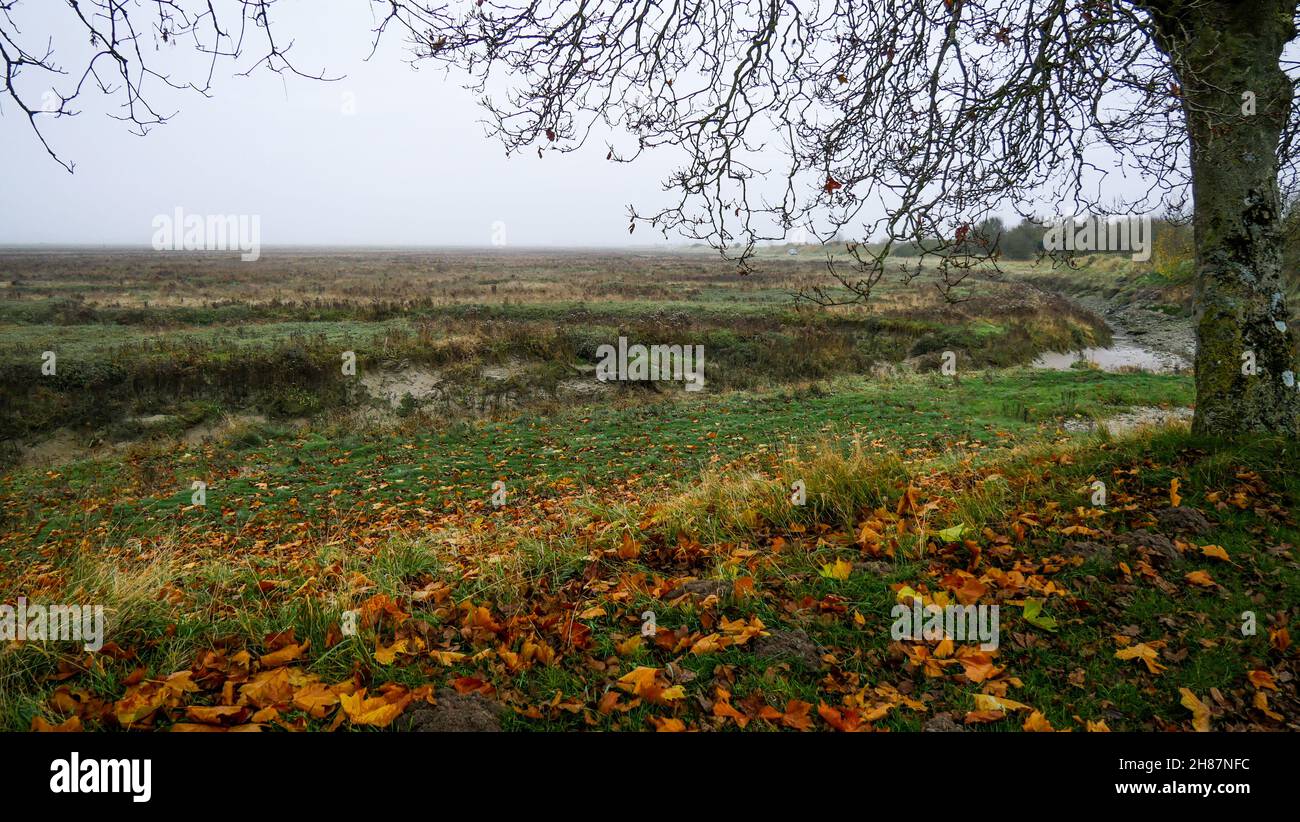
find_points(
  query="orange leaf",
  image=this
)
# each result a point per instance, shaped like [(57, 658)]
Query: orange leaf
[(1200, 578), (377, 711), (796, 715), (70, 725), (1280, 639), (286, 654), (215, 714), (315, 699), (1215, 551), (638, 680), (629, 548), (669, 725), (1262, 679), (1261, 702), (847, 720), (268, 688), (1038, 722), (973, 717)]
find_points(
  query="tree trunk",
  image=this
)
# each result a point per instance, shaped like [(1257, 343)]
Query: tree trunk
[(1227, 56)]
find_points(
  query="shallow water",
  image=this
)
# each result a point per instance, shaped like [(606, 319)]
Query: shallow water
[(1122, 355)]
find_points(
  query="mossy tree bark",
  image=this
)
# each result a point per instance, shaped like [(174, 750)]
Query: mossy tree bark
[(1237, 99)]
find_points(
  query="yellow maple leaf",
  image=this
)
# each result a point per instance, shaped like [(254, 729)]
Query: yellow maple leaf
[(988, 702), (1175, 499), (907, 595), (837, 570), (1280, 639), (707, 644), (675, 692), (378, 711), (446, 657), (638, 679), (1143, 652), (1200, 711), (978, 666), (628, 646), (386, 656)]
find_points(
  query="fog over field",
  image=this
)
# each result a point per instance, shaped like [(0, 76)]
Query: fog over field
[(386, 155)]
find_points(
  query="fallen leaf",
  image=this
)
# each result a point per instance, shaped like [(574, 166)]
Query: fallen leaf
[(1143, 652), (1200, 711), (1215, 551), (1200, 578), (1033, 614), (837, 570), (377, 711)]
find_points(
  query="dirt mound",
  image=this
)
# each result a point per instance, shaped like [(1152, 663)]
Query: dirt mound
[(454, 713), (1183, 520), (1158, 547), (1088, 550), (942, 723), (789, 646)]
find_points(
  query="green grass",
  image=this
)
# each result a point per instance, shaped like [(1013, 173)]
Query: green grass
[(677, 436), (291, 507)]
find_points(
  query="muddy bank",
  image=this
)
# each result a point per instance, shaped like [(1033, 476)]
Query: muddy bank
[(495, 388), (66, 445), (1156, 330), (1135, 418), (1143, 340)]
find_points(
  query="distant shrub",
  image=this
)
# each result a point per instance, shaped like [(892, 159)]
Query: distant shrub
[(1173, 255)]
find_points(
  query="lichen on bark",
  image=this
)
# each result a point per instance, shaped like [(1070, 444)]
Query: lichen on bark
[(1245, 345)]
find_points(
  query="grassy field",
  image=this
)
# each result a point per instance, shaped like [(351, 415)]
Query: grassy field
[(187, 337), (330, 509)]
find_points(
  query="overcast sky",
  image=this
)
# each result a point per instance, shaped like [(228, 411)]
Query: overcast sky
[(388, 155), (411, 166)]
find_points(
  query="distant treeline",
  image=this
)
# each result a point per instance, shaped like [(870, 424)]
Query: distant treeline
[(1024, 241), (1173, 244)]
